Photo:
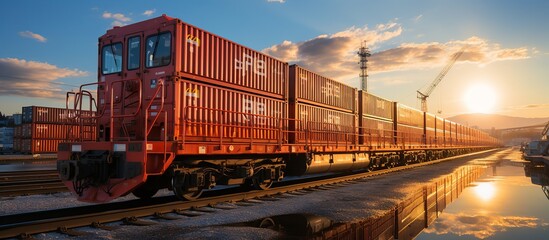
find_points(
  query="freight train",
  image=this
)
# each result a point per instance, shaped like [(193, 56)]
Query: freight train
[(181, 108)]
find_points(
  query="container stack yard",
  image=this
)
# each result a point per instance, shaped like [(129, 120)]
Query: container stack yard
[(43, 128)]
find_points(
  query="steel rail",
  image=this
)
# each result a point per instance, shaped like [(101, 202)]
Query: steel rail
[(79, 219), (26, 175), (30, 182)]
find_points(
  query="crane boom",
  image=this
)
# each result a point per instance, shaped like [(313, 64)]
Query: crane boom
[(423, 96), (545, 132)]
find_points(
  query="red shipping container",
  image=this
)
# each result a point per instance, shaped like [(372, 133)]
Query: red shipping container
[(447, 132), (62, 131), (34, 146), (17, 144), (322, 125), (314, 89), (409, 136), (460, 134), (17, 133), (37, 114), (376, 132), (26, 130), (57, 131), (439, 125), (209, 113), (430, 129), (409, 116), (374, 106), (208, 57)]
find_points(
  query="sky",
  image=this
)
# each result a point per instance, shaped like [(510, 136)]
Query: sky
[(50, 47)]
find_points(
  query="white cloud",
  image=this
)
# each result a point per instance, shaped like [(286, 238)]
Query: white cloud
[(35, 36), (334, 55), (149, 12), (278, 1), (117, 24), (480, 226), (33, 79), (434, 54), (119, 18), (418, 18)]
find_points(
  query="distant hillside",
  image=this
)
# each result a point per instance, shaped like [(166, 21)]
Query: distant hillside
[(487, 121)]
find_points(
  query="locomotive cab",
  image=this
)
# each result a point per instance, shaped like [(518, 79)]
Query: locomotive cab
[(141, 118)]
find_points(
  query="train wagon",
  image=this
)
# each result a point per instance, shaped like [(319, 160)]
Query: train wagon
[(180, 108)]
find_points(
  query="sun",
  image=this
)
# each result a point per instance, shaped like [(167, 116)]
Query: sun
[(480, 98)]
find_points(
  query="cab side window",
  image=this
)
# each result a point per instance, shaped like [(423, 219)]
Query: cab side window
[(134, 52), (111, 58), (158, 51)]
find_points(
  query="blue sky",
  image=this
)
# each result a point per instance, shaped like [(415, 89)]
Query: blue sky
[(51, 47)]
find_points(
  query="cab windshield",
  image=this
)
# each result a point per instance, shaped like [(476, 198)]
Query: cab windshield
[(158, 50), (111, 58)]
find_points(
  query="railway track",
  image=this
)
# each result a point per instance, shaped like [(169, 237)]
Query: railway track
[(30, 182), (130, 212)]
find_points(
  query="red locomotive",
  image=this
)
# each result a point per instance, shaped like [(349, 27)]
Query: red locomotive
[(184, 109)]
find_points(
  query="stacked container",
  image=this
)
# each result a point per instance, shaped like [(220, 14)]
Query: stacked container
[(439, 136), (376, 120), (44, 128), (228, 92), (6, 138), (430, 129), (324, 109), (410, 126)]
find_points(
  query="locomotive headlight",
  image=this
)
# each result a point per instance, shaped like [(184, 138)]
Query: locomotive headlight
[(76, 148)]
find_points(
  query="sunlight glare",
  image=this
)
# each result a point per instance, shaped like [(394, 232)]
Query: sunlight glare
[(480, 98), (485, 191)]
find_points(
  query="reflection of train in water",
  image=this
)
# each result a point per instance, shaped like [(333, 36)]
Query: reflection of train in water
[(184, 109), (539, 173)]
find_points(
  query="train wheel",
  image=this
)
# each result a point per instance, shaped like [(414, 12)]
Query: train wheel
[(187, 195), (181, 188), (262, 184)]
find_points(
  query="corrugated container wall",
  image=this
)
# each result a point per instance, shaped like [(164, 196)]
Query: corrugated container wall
[(439, 125), (316, 124), (34, 146), (208, 57), (312, 88), (409, 116), (430, 128), (37, 114), (17, 144), (60, 131), (376, 132), (374, 106), (211, 112), (18, 132)]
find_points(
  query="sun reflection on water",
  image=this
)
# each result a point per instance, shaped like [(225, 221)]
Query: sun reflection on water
[(485, 191)]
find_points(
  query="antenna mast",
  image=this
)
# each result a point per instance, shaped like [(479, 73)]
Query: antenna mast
[(363, 53)]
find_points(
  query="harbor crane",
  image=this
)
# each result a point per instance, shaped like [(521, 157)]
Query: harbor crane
[(424, 95), (545, 132)]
